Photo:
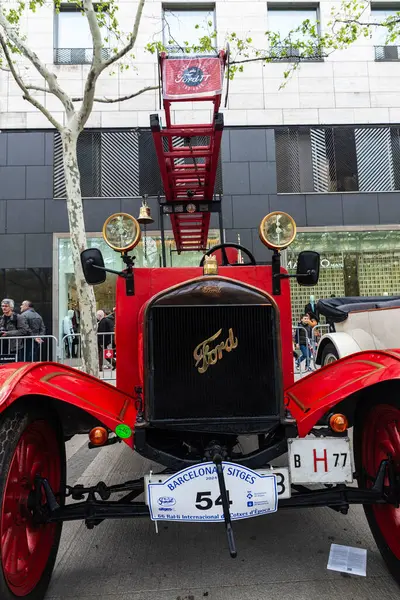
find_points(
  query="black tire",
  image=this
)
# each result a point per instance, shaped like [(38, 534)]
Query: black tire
[(367, 444), (329, 354), (21, 425)]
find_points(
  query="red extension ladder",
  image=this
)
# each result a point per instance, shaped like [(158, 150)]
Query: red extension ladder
[(188, 171)]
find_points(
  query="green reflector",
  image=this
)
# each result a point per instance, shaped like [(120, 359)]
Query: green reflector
[(123, 431)]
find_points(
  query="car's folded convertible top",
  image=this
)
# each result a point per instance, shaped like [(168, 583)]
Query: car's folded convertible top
[(337, 309)]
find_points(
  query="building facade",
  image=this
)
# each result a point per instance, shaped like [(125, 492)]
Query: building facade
[(325, 148)]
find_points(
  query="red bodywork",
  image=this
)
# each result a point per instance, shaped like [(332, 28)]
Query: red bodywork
[(308, 399), (311, 397), (149, 282), (56, 381)]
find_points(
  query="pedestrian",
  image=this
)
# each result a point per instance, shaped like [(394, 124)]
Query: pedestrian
[(37, 329), (111, 316), (12, 325), (315, 333), (303, 335), (69, 334)]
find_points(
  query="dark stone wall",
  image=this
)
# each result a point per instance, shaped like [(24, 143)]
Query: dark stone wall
[(249, 175)]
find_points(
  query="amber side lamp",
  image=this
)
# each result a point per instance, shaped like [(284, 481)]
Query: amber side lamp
[(98, 436)]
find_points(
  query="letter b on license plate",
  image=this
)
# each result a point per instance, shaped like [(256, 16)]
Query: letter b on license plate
[(320, 460)]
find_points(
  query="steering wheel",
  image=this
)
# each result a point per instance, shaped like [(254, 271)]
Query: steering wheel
[(225, 261)]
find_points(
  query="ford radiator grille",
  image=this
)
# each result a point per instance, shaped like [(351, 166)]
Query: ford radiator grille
[(212, 362)]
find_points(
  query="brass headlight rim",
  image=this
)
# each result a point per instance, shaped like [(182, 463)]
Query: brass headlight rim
[(135, 241), (264, 239)]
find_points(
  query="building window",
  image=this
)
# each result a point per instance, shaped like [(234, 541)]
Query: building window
[(108, 164), (118, 164), (73, 40), (285, 21), (384, 51), (183, 27), (337, 159)]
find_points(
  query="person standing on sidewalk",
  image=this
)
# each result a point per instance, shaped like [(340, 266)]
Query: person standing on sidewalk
[(12, 325), (37, 328), (303, 336)]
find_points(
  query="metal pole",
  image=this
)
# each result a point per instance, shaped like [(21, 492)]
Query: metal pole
[(164, 258), (221, 223), (276, 270)]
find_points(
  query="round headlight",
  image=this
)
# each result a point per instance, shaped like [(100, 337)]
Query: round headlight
[(277, 230), (121, 232)]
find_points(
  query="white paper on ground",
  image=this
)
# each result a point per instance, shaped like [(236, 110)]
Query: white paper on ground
[(347, 559)]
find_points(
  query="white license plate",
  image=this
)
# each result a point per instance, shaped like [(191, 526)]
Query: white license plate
[(193, 494), (320, 460), (282, 480)]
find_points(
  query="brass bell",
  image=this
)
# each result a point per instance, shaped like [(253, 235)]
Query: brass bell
[(145, 217), (210, 266)]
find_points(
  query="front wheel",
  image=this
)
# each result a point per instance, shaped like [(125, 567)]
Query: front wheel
[(31, 443), (329, 354), (377, 437)]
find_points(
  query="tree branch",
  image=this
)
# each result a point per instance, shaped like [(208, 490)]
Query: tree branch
[(21, 84), (276, 58), (37, 63), (122, 98), (38, 88), (96, 67), (132, 41), (368, 24)]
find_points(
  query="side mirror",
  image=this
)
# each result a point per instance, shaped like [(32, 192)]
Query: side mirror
[(307, 272), (93, 266)]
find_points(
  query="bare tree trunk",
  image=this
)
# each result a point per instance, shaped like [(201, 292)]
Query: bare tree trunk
[(85, 292)]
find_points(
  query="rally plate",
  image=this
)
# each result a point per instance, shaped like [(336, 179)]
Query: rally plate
[(193, 494)]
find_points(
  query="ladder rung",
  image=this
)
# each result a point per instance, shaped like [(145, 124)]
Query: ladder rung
[(187, 154)]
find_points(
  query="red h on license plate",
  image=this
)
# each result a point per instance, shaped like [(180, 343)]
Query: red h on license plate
[(320, 460)]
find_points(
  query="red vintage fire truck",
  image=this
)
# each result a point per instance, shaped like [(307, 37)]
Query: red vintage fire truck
[(205, 384)]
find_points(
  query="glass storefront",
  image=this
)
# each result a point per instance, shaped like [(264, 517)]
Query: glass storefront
[(148, 254), (353, 263)]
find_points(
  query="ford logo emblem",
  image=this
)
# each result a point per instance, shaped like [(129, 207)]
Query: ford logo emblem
[(192, 76), (166, 501)]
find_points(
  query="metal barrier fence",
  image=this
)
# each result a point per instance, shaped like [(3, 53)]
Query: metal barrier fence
[(317, 332), (71, 353), (305, 354), (302, 349), (28, 349)]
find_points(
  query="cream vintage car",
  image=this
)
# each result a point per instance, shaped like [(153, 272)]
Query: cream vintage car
[(358, 323)]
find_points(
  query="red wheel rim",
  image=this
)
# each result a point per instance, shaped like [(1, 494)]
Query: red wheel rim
[(25, 548), (381, 439)]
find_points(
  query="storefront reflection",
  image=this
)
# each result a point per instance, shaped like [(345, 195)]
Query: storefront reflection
[(353, 263), (147, 253)]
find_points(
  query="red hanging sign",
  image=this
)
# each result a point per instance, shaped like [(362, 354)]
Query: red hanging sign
[(191, 77)]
